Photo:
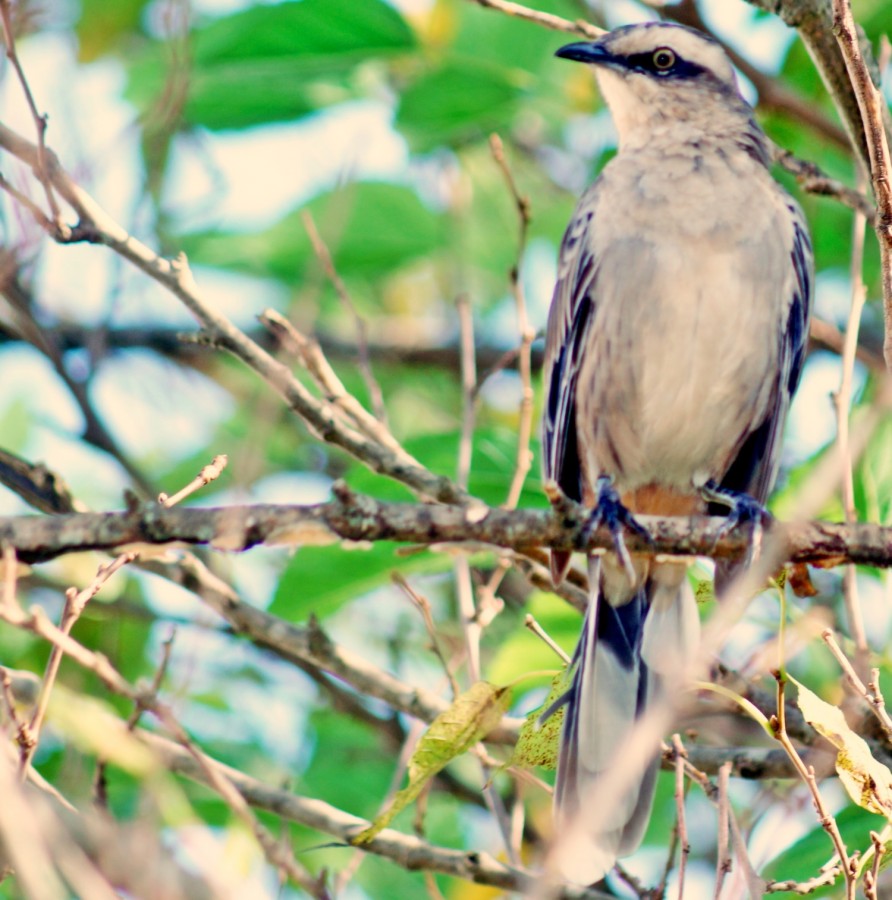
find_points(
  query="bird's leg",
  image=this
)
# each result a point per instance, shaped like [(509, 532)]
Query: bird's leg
[(608, 510), (742, 510)]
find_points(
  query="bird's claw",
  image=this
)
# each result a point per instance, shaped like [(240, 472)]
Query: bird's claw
[(742, 510), (610, 512)]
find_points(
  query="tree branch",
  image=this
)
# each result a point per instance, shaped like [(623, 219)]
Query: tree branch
[(354, 517), (405, 850)]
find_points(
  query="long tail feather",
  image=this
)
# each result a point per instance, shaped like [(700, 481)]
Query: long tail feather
[(623, 654)]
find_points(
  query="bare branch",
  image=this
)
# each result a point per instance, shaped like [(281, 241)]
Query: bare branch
[(405, 850), (807, 774), (870, 694), (813, 181), (356, 517), (547, 20), (209, 473), (524, 457), (40, 120)]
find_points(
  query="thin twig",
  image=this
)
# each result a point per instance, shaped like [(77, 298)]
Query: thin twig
[(316, 363), (19, 726), (872, 876), (40, 120), (362, 331), (807, 774), (524, 456), (531, 623), (468, 390), (681, 821), (723, 856), (827, 875), (20, 197), (843, 402), (489, 604), (208, 474), (556, 23), (813, 181), (422, 604), (75, 602), (754, 883), (99, 778), (870, 694)]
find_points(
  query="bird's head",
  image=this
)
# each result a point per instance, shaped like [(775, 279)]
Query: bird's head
[(658, 73)]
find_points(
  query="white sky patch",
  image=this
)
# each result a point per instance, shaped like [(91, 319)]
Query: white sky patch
[(412, 7), (761, 39), (170, 410)]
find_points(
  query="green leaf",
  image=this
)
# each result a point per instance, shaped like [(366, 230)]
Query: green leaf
[(538, 742), (468, 720), (511, 42), (369, 227), (492, 465), (309, 28), (462, 100), (343, 744), (322, 579), (268, 63)]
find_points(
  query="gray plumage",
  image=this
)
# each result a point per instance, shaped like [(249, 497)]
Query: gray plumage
[(675, 340)]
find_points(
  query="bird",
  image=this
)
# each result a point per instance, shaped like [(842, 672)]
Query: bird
[(675, 340)]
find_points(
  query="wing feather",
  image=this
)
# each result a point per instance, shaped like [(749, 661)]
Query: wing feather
[(754, 469), (569, 321)]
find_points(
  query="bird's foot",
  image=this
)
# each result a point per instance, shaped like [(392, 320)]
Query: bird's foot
[(742, 510), (610, 512)]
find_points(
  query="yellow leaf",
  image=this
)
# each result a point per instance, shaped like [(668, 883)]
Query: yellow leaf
[(470, 718), (537, 744), (868, 782)]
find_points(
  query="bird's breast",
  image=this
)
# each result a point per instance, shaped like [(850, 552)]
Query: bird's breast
[(682, 354)]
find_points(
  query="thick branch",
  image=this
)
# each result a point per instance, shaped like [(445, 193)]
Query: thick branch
[(361, 518), (813, 19)]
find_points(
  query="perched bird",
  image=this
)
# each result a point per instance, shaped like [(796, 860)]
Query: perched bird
[(676, 338)]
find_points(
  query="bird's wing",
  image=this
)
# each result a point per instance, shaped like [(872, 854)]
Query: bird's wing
[(754, 469), (569, 320)]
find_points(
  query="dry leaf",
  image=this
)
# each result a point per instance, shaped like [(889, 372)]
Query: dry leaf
[(868, 781)]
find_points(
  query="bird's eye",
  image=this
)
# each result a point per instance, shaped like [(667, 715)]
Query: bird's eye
[(663, 59)]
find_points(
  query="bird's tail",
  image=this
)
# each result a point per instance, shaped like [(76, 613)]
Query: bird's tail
[(632, 639)]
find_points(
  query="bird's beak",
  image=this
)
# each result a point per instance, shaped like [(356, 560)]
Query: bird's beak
[(586, 51)]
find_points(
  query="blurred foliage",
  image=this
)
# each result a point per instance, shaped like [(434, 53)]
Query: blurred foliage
[(406, 244)]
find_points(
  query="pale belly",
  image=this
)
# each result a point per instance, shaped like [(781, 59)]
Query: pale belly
[(681, 368)]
